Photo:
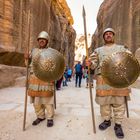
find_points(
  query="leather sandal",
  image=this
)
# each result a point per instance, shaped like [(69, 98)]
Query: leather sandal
[(104, 125), (118, 131), (49, 123), (37, 121)]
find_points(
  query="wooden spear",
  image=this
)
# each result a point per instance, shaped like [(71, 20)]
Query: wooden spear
[(27, 70), (55, 94), (87, 55), (127, 110)]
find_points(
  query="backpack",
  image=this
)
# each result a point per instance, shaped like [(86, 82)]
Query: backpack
[(69, 72), (78, 68)]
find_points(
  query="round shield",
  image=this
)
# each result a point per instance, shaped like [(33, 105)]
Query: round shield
[(48, 64), (120, 70)]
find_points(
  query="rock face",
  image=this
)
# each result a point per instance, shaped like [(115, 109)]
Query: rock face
[(8, 75), (53, 16), (124, 17), (19, 28), (80, 50)]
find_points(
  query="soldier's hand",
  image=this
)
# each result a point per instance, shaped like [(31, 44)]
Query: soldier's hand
[(26, 56), (94, 56), (88, 62), (94, 59)]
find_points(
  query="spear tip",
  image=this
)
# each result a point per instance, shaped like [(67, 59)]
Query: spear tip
[(84, 13)]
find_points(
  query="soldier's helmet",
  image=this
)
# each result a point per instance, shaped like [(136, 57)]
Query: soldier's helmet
[(108, 30), (43, 35)]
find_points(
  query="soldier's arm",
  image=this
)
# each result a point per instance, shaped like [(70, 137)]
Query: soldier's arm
[(127, 49), (27, 57), (94, 60)]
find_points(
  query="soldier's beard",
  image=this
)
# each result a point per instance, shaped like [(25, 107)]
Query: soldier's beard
[(43, 46), (109, 42)]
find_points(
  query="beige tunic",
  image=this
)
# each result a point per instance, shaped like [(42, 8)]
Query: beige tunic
[(40, 100), (103, 52), (110, 100)]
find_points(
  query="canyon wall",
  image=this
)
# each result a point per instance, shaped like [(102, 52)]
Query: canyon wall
[(20, 23), (124, 17), (16, 33)]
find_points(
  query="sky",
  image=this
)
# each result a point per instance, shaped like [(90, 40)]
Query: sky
[(91, 8)]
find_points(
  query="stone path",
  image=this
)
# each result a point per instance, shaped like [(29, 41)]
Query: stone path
[(72, 120)]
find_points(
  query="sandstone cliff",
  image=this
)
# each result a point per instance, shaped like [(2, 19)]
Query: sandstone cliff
[(16, 34), (53, 16), (80, 50), (124, 17)]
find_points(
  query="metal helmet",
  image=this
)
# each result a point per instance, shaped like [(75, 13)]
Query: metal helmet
[(108, 30), (43, 35)]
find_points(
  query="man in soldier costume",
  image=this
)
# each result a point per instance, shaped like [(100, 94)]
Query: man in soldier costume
[(41, 93), (109, 98)]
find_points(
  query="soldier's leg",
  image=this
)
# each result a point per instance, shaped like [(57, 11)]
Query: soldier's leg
[(50, 114), (119, 112), (40, 113), (105, 111)]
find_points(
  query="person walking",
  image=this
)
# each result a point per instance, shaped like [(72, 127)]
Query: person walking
[(58, 83), (79, 73), (65, 78), (69, 74)]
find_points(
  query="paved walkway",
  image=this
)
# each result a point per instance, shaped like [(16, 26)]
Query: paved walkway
[(72, 120)]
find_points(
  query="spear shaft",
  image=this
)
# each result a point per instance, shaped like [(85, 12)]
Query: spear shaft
[(89, 77), (27, 70), (55, 94)]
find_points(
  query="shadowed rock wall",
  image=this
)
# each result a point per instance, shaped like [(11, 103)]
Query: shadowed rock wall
[(124, 17), (52, 16), (6, 25)]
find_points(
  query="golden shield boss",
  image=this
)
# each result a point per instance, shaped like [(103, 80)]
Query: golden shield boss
[(120, 70), (48, 64)]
